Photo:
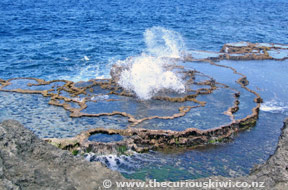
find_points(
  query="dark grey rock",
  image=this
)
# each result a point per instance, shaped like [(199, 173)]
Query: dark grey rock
[(26, 162)]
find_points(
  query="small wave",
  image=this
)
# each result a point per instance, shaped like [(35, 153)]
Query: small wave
[(65, 58), (88, 72), (274, 107), (120, 163), (85, 58), (123, 163)]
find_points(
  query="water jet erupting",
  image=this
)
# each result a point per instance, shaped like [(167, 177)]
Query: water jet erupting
[(149, 73)]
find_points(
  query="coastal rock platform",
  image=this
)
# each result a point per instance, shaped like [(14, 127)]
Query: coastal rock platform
[(27, 162)]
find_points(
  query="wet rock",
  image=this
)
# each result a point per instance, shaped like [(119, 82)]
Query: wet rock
[(26, 162)]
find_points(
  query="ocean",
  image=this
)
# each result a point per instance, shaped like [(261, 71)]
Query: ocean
[(49, 39)]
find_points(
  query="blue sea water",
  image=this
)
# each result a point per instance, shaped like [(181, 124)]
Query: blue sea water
[(79, 40), (49, 38)]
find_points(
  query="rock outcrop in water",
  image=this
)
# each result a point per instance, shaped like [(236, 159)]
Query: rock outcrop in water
[(27, 162)]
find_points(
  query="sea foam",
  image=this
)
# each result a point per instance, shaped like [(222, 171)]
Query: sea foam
[(274, 107)]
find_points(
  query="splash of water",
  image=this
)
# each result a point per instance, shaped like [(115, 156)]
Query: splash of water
[(147, 74), (274, 107), (161, 42), (124, 163), (86, 72)]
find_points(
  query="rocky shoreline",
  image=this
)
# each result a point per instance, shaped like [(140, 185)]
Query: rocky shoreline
[(27, 162)]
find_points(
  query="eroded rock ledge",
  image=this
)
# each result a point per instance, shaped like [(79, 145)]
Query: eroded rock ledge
[(27, 162)]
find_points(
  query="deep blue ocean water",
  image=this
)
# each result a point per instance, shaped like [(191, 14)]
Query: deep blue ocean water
[(49, 38), (79, 40)]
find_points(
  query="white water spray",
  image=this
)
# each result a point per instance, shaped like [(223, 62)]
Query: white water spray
[(147, 74), (274, 106), (161, 42)]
